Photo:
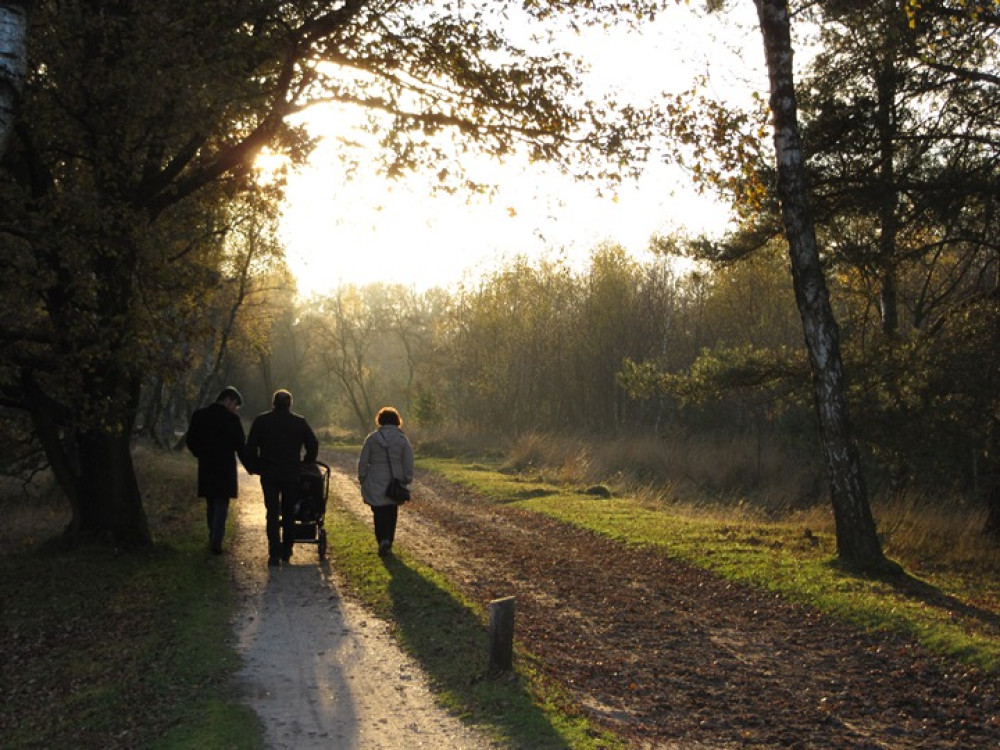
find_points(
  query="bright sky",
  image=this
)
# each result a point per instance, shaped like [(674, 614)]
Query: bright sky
[(367, 229)]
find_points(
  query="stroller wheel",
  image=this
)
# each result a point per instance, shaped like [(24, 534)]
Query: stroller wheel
[(322, 545)]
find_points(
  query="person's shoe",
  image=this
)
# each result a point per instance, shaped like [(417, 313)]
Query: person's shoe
[(273, 562), (384, 547)]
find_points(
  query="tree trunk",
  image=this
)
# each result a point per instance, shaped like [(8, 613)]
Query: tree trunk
[(992, 478), (110, 503), (63, 461), (95, 471), (857, 541), (153, 412), (13, 63), (885, 120), (991, 454)]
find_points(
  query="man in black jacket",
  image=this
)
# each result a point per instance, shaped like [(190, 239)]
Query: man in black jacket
[(215, 437), (274, 448)]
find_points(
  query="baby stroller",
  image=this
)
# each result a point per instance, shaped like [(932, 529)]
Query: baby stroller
[(310, 509)]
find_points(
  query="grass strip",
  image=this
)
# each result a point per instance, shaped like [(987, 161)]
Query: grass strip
[(944, 610), (447, 634), (123, 651)]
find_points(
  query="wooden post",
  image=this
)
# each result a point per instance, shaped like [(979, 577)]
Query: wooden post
[(502, 634)]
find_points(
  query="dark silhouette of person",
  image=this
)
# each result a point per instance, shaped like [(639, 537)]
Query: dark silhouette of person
[(216, 438), (275, 448)]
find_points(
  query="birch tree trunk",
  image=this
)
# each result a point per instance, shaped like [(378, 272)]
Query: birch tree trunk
[(992, 451), (857, 541), (13, 62)]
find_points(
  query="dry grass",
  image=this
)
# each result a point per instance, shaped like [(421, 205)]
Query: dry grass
[(723, 470), (729, 478), (924, 532), (449, 443)]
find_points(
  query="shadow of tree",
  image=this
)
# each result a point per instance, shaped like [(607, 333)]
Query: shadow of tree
[(435, 626), (932, 596), (929, 595)]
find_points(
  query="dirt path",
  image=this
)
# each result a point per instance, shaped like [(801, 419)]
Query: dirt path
[(318, 670), (670, 656)]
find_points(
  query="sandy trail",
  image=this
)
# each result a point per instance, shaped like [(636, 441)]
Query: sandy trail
[(657, 651), (319, 670)]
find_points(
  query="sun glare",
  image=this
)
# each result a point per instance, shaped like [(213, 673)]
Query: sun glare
[(362, 231), (269, 165), (358, 228)]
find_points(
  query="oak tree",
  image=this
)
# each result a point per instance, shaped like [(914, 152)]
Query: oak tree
[(140, 119)]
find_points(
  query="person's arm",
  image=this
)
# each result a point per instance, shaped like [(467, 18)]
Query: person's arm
[(250, 458), (193, 437), (311, 444), (364, 459), (407, 462), (240, 445)]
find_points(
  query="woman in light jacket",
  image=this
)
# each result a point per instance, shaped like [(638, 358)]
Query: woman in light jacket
[(387, 443)]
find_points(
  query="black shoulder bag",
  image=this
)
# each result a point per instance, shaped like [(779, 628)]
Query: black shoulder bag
[(398, 492)]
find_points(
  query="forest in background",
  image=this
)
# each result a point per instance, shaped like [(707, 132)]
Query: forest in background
[(699, 376)]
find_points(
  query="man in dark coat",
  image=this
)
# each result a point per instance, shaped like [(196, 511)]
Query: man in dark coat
[(275, 449), (215, 436)]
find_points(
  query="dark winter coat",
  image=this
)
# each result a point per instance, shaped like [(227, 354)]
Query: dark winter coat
[(374, 467), (215, 436), (275, 444)]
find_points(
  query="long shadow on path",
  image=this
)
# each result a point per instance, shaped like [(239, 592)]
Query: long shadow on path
[(319, 670), (417, 601)]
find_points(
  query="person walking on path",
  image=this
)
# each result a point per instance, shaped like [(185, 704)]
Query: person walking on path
[(216, 438), (386, 453), (275, 448)]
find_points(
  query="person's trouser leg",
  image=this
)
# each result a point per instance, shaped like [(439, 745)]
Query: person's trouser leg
[(385, 522), (218, 512), (272, 505)]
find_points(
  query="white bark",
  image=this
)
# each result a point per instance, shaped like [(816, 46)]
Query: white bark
[(857, 540), (13, 62)]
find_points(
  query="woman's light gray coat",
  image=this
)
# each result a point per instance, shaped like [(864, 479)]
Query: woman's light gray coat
[(373, 468)]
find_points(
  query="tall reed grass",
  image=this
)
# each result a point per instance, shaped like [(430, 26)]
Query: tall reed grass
[(721, 470)]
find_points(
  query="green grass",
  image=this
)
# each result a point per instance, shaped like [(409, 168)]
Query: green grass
[(447, 634), (128, 651), (953, 613)]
